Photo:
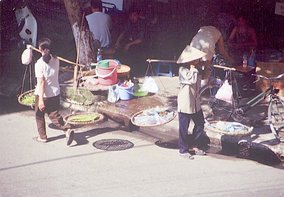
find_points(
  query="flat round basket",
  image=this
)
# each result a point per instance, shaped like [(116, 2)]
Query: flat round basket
[(228, 128), (123, 70), (84, 118), (27, 98), (153, 117)]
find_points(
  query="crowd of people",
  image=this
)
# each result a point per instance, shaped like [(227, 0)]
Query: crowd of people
[(130, 44)]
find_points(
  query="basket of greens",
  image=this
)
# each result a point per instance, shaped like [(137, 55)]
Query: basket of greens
[(84, 118), (27, 98)]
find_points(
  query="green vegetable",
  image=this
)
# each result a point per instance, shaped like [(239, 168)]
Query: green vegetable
[(84, 117), (28, 99), (79, 96)]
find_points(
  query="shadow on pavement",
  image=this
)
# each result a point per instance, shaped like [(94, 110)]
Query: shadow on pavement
[(10, 105), (81, 138)]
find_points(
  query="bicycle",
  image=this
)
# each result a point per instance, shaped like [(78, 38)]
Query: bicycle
[(215, 109)]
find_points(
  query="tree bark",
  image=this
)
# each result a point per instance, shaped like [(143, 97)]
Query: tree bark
[(86, 51)]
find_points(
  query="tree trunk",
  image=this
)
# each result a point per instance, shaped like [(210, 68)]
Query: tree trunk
[(86, 52)]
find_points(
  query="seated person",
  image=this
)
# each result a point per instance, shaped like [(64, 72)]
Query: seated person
[(242, 43), (241, 40), (130, 43), (100, 25)]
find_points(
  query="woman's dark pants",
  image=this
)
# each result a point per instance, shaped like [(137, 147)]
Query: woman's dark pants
[(52, 105), (186, 140)]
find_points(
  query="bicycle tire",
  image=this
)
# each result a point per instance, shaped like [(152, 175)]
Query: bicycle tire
[(276, 116), (214, 109)]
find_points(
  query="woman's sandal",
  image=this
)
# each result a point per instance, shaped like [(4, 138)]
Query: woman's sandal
[(38, 139), (199, 152), (69, 136), (186, 155)]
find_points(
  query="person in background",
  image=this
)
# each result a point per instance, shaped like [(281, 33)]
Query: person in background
[(243, 37), (100, 25), (188, 101), (209, 40), (133, 35), (47, 93), (130, 42), (242, 44)]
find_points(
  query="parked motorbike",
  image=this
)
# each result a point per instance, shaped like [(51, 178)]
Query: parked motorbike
[(27, 24), (18, 25)]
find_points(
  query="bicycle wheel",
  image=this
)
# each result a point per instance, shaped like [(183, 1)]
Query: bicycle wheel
[(214, 109), (276, 116)]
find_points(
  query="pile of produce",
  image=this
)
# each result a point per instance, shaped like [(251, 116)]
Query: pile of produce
[(27, 98), (228, 128), (83, 118), (127, 84), (153, 117), (80, 96)]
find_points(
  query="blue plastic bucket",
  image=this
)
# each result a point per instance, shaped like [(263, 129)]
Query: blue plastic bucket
[(125, 93)]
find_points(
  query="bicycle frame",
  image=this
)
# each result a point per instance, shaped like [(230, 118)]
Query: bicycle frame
[(255, 100), (216, 109)]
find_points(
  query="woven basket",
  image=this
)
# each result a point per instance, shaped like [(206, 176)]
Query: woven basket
[(22, 97), (150, 125), (242, 131), (68, 120), (123, 70)]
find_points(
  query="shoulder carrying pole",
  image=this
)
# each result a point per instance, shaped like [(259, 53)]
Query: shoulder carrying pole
[(60, 58)]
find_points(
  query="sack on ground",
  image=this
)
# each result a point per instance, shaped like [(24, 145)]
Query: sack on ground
[(225, 92), (149, 85), (113, 95)]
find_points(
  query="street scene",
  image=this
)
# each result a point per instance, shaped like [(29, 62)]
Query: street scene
[(133, 146), (147, 165)]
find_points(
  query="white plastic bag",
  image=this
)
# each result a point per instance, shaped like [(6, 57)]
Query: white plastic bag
[(27, 56), (225, 92), (149, 85), (113, 95)]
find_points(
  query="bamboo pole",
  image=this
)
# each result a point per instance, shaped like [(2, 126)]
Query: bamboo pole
[(60, 58), (163, 61), (224, 67)]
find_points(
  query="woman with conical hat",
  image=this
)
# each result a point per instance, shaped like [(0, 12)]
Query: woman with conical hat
[(189, 103)]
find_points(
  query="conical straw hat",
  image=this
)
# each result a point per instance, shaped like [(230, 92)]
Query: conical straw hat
[(189, 54)]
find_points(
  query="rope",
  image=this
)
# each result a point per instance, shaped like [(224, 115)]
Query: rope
[(29, 66), (23, 80), (149, 67), (31, 82)]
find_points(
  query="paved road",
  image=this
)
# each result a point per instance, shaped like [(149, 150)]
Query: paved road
[(28, 168)]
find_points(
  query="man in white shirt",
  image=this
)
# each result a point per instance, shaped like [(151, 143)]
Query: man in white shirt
[(100, 24), (206, 40), (209, 40)]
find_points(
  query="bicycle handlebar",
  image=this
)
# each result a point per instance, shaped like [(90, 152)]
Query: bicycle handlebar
[(270, 78)]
